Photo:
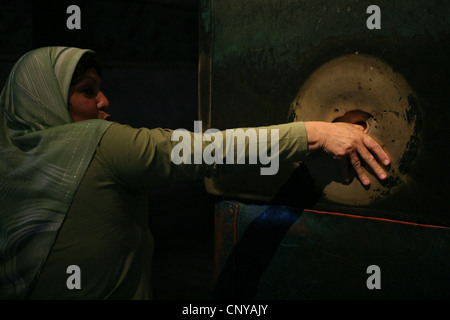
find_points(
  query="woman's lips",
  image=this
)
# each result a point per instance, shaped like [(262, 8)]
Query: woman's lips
[(103, 115)]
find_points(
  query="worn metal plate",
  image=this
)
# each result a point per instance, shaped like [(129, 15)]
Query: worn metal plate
[(364, 90)]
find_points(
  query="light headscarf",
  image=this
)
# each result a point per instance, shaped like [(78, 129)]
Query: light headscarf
[(43, 157)]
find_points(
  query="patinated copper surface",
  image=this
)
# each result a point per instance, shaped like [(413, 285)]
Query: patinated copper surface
[(361, 89)]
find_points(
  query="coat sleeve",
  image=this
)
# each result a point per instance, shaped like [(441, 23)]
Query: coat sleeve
[(145, 158)]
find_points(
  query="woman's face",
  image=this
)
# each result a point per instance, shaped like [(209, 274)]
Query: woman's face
[(86, 100)]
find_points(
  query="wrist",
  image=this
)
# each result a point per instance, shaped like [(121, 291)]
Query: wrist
[(312, 135)]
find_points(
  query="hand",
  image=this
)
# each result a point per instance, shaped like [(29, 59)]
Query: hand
[(348, 141)]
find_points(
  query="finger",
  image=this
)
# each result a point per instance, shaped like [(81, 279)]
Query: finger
[(356, 163), (359, 127), (372, 162), (345, 169), (375, 148)]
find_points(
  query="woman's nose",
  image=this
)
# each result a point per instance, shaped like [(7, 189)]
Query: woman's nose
[(102, 101)]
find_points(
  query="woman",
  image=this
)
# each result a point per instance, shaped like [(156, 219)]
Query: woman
[(73, 184)]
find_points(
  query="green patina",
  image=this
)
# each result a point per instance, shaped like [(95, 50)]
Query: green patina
[(275, 31), (205, 9)]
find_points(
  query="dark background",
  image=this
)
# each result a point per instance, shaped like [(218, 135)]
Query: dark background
[(149, 52)]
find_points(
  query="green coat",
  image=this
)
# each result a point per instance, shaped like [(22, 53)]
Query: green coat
[(106, 230)]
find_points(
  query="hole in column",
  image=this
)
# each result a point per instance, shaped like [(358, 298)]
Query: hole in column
[(358, 117)]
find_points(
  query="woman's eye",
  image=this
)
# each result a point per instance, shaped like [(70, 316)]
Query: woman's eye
[(88, 91)]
